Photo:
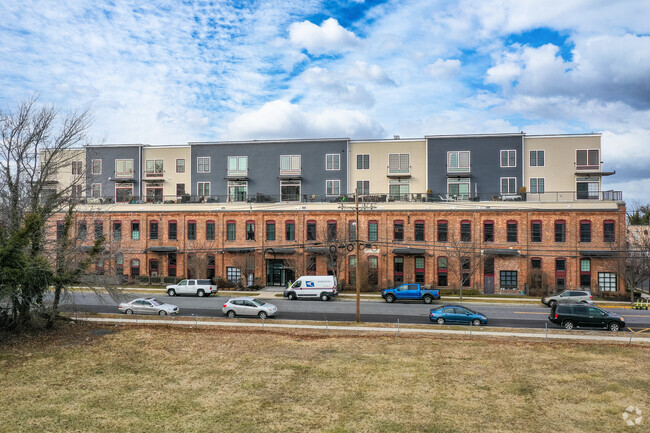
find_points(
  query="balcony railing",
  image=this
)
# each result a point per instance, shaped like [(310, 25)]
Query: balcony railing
[(154, 174), (398, 171), (237, 173)]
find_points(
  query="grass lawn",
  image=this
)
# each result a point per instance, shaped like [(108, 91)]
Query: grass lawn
[(178, 379)]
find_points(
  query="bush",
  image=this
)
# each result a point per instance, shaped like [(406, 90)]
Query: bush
[(451, 291)]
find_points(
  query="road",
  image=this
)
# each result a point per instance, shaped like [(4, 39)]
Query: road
[(344, 310)]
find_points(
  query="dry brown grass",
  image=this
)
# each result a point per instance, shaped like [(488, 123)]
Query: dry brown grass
[(179, 379)]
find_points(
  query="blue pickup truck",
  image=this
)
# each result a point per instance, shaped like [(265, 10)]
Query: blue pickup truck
[(409, 292)]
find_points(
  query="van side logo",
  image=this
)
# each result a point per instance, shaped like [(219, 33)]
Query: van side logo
[(310, 284)]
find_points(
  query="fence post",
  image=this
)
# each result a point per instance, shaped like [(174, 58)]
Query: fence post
[(470, 329), (398, 330), (546, 328)]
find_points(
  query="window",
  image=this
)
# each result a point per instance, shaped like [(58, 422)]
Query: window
[(135, 267), (117, 230), (537, 158), (82, 230), (311, 230), (419, 231), (398, 230), (180, 166), (536, 231), (607, 281), (96, 166), (458, 188), (60, 229), (458, 161), (508, 158), (373, 270), (363, 162), (442, 231), (508, 280), (290, 190), (191, 230), (230, 231), (560, 274), (536, 263), (180, 189), (333, 187), (119, 264), (237, 190), (77, 167), (465, 231), (153, 230), (398, 163), (587, 159), (609, 232), (333, 161), (585, 231), (587, 189), (172, 228), (250, 230), (352, 231), (154, 167), (270, 230), (399, 189), (135, 230), (311, 265), (209, 231), (290, 164), (233, 274), (585, 273), (465, 266), (511, 231), (203, 189), (442, 271), (96, 190), (203, 164), (210, 269), (537, 185), (353, 269), (508, 185), (123, 192), (331, 231), (488, 231), (373, 234), (123, 168), (398, 270), (419, 269), (363, 187), (290, 230), (171, 264), (237, 165), (560, 231)]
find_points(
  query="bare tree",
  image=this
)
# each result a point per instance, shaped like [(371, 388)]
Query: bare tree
[(636, 260), (197, 265), (245, 263), (464, 260)]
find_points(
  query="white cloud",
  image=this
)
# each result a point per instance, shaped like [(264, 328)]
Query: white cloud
[(444, 69), (327, 38)]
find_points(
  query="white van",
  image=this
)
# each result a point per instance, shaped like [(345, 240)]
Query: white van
[(313, 286)]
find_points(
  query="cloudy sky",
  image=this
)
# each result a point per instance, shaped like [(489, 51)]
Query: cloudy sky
[(177, 71)]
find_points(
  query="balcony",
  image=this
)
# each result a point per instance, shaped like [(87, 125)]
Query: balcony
[(398, 172), (237, 174), (153, 174), (290, 173)]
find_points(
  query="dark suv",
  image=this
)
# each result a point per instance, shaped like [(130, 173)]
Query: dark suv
[(571, 316)]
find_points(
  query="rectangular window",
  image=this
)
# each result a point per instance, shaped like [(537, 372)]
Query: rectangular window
[(560, 274), (536, 263), (82, 230), (290, 190), (419, 231), (171, 264), (363, 187), (203, 189), (373, 270), (585, 273), (180, 166), (77, 167), (311, 230), (398, 163), (353, 269), (585, 231), (363, 162), (290, 165), (180, 189), (237, 190), (609, 232), (270, 230), (117, 230), (352, 231), (333, 161), (191, 230), (250, 230), (119, 264), (60, 229), (333, 187), (203, 164), (458, 161), (123, 192), (154, 167), (508, 158), (135, 230), (488, 231), (123, 168), (96, 166), (373, 234), (465, 266), (331, 231), (233, 274), (237, 165), (536, 231), (508, 185), (290, 231), (153, 230), (587, 189), (442, 271), (135, 267), (419, 270), (230, 231), (560, 231), (511, 231), (537, 185), (508, 280), (537, 158), (398, 230), (607, 281), (96, 190), (465, 231), (398, 270), (172, 233), (210, 231), (399, 189), (587, 159), (442, 231), (458, 188)]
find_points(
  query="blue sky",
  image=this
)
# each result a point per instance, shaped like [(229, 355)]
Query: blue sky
[(177, 71)]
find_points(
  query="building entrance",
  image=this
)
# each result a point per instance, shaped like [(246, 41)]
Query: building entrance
[(277, 274)]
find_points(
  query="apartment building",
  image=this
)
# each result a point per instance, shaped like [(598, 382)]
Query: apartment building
[(113, 172), (68, 173), (167, 175)]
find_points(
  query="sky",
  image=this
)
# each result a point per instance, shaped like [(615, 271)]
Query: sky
[(170, 72)]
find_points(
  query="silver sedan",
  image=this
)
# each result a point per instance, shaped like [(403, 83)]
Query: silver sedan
[(247, 306), (147, 306)]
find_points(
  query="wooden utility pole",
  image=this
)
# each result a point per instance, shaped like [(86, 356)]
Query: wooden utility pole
[(357, 280)]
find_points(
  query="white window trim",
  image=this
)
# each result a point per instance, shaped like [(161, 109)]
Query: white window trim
[(154, 165), (176, 165), (364, 180), (362, 155), (399, 158), (124, 175), (233, 183), (460, 169), (209, 189), (537, 158), (124, 186), (587, 150), (501, 185), (92, 186), (338, 158), (286, 182), (238, 170), (459, 181), (209, 164), (73, 169), (530, 185), (290, 171), (513, 162), (92, 167), (337, 181)]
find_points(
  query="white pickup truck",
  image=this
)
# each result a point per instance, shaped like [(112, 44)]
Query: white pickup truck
[(199, 288)]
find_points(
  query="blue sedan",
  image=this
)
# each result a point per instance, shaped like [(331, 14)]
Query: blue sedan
[(457, 314)]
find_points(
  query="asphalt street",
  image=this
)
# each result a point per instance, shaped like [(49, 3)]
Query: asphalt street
[(344, 310)]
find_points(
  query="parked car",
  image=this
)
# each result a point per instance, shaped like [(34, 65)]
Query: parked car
[(457, 314), (410, 292), (247, 306), (569, 296), (571, 316), (148, 306), (313, 286), (192, 287)]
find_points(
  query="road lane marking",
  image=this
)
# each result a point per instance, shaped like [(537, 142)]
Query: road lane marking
[(528, 312)]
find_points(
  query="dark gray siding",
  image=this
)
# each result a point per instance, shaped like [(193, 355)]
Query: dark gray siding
[(108, 155), (485, 162), (264, 165)]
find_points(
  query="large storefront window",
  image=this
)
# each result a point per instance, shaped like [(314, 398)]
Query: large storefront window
[(607, 281), (508, 280)]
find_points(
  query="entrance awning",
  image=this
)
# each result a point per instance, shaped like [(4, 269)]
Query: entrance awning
[(501, 252), (317, 250), (280, 250), (409, 251), (161, 249), (596, 253), (238, 250)]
